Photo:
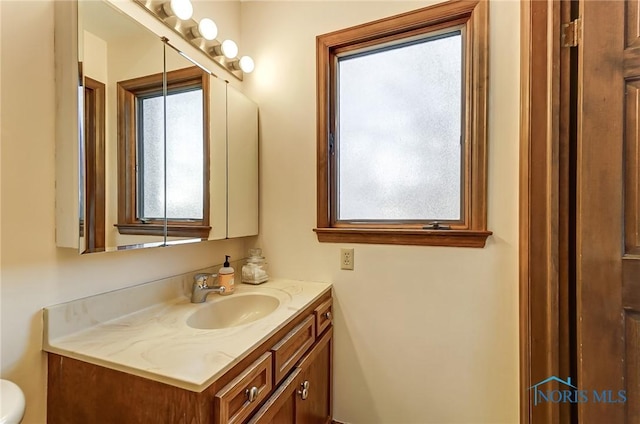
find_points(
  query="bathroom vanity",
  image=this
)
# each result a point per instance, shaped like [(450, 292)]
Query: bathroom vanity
[(147, 355)]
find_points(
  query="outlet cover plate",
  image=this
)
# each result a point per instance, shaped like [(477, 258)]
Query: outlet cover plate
[(346, 259)]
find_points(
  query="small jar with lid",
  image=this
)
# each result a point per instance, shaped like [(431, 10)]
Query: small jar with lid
[(255, 270)]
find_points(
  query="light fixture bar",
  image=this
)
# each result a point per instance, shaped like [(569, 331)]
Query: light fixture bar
[(185, 29)]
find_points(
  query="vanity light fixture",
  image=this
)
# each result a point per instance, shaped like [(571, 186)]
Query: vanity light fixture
[(208, 29), (182, 9), (202, 35), (246, 64), (229, 49)]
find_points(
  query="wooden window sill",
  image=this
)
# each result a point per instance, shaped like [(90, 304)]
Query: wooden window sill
[(451, 238), (174, 230)]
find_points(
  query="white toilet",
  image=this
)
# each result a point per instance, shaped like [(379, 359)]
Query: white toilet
[(12, 403)]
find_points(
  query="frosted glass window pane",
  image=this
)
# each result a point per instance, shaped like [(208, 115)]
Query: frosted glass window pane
[(151, 159), (185, 155), (399, 132)]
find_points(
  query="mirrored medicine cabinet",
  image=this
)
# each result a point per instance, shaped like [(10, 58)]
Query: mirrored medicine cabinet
[(152, 149)]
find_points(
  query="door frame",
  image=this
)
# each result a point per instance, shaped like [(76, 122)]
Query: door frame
[(545, 198)]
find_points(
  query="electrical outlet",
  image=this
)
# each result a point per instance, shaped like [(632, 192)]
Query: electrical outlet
[(346, 259)]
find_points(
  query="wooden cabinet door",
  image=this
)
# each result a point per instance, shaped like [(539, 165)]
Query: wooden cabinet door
[(305, 396), (313, 401), (280, 408)]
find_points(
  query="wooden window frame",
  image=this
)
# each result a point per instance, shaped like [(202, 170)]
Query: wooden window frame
[(128, 91), (471, 230)]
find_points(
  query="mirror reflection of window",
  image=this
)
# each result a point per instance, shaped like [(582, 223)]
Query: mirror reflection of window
[(143, 179), (185, 159)]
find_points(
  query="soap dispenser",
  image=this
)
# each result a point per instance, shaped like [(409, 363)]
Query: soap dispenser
[(226, 277)]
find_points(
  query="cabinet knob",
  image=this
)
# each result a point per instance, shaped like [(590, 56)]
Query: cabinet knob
[(304, 391), (327, 315), (252, 393)]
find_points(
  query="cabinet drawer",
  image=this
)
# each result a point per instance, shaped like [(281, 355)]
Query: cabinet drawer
[(291, 348), (238, 399), (324, 316)]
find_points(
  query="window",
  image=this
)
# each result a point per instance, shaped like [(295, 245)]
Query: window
[(402, 129), (149, 177)]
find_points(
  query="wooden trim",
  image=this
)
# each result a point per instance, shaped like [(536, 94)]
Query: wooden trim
[(526, 29), (562, 260), (126, 156), (533, 207), (128, 91), (394, 38), (173, 229), (545, 309), (429, 16), (324, 114), (453, 238), (478, 41), (407, 225), (95, 185), (472, 18)]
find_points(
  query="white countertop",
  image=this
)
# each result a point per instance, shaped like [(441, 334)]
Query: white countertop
[(142, 330)]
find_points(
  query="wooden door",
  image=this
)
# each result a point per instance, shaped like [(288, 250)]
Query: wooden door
[(608, 212)]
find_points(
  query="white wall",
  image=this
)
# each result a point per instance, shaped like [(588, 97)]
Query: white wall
[(33, 272), (423, 334)]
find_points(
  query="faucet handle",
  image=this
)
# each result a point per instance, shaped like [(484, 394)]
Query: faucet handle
[(200, 280), (201, 289)]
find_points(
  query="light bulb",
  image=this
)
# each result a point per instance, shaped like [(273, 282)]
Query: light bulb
[(208, 29), (246, 64), (229, 49), (183, 9)]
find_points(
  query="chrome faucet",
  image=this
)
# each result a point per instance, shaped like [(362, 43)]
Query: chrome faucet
[(201, 290)]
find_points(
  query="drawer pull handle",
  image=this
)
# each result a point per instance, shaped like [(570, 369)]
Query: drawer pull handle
[(304, 391), (252, 393), (327, 315)]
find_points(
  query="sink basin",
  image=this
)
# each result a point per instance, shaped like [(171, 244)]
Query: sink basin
[(233, 311)]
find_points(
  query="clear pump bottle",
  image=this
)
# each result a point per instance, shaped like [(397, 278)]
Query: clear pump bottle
[(255, 270)]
